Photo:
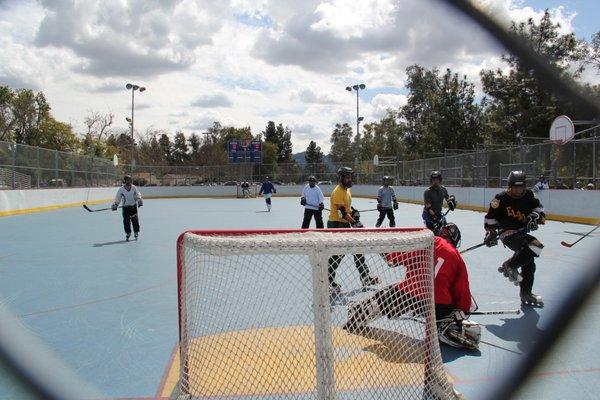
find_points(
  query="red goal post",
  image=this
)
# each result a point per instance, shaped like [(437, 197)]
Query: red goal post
[(256, 317)]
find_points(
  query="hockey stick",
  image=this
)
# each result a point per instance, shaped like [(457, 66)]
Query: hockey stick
[(499, 312), (100, 209), (524, 229), (312, 205), (580, 239), (370, 209)]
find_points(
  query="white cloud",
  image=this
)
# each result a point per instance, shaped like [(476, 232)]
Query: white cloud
[(240, 62)]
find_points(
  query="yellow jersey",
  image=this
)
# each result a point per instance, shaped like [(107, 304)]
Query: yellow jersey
[(339, 196)]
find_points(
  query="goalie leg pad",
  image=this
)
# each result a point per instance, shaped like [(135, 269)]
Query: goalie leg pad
[(362, 312), (463, 334)]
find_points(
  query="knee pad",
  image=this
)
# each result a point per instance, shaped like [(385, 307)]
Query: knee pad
[(535, 249)]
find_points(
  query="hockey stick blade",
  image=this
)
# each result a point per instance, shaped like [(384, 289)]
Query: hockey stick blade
[(569, 245), (100, 209), (87, 208)]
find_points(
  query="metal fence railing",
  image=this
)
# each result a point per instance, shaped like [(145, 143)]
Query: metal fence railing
[(572, 165), (27, 167)]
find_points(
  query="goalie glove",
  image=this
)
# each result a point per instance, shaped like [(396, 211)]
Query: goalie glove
[(302, 201), (114, 207), (451, 203), (140, 203), (533, 219), (491, 238)]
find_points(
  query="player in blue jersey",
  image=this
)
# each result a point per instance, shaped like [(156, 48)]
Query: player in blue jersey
[(267, 189)]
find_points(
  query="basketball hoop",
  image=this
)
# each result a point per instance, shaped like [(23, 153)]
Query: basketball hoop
[(562, 130)]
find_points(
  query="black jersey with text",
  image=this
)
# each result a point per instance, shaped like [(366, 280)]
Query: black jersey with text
[(511, 213)]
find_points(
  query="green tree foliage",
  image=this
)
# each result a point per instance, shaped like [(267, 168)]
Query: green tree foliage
[(518, 104), (7, 118), (342, 150), (441, 112), (314, 158), (180, 149), (166, 150)]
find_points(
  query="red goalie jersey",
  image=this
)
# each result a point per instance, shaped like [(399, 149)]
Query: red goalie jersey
[(451, 285)]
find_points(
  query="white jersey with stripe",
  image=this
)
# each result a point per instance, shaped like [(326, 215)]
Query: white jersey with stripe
[(128, 197)]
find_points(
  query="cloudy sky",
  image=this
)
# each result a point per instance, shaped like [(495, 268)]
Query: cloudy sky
[(244, 62)]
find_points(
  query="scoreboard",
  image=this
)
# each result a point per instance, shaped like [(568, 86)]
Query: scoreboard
[(244, 151)]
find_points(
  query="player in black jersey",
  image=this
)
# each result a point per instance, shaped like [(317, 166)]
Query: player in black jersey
[(512, 214)]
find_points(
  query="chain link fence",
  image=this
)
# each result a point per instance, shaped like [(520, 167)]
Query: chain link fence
[(568, 166), (28, 167)]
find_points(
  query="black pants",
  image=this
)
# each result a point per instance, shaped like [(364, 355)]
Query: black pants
[(130, 217), (523, 257), (334, 261), (389, 212), (308, 214)]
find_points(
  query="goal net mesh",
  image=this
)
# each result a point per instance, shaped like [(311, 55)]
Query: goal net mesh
[(258, 317)]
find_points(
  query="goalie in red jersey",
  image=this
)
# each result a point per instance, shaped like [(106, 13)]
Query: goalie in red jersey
[(451, 287)]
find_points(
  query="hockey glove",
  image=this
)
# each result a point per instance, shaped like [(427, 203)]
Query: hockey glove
[(491, 238), (114, 207), (321, 206), (355, 214), (451, 203), (357, 224), (302, 201), (532, 221), (379, 207), (395, 205), (140, 203)]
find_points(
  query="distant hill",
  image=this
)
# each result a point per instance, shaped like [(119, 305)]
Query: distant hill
[(300, 160)]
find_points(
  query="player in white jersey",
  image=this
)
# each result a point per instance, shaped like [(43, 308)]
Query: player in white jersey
[(131, 198)]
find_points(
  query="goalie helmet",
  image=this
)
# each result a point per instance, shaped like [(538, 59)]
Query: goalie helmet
[(388, 180), (451, 233), (435, 175), (516, 179)]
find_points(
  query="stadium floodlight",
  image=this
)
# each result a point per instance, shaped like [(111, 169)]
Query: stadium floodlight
[(133, 88), (357, 88)]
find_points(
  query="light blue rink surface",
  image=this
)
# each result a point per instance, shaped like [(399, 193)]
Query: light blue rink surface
[(109, 308)]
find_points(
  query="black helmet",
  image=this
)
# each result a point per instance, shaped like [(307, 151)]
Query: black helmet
[(451, 233), (388, 180), (344, 172), (127, 178), (434, 175), (516, 178), (312, 179)]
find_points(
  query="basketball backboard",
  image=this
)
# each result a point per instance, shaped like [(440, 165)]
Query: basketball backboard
[(562, 130)]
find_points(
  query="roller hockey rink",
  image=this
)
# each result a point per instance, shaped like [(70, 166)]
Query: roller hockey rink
[(108, 308)]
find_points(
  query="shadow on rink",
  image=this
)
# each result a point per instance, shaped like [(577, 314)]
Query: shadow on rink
[(111, 243), (450, 353), (522, 330)]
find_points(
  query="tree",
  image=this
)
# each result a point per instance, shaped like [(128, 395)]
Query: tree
[(441, 113), (57, 135), (270, 134), (314, 158), (342, 150), (285, 147), (269, 153), (180, 149), (7, 117), (97, 125), (518, 104), (29, 111), (165, 149)]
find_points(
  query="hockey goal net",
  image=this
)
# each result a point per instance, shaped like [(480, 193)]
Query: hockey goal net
[(257, 318), (244, 193)]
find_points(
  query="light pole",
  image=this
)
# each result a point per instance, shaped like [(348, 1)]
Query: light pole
[(133, 88), (357, 88)]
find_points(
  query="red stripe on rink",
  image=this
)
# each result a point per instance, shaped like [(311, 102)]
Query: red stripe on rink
[(458, 380)]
